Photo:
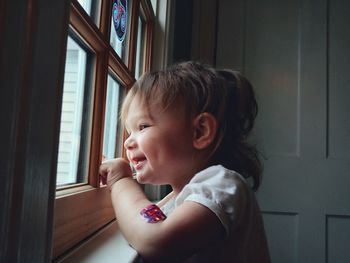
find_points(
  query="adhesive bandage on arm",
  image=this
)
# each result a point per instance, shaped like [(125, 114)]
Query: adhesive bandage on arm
[(152, 214)]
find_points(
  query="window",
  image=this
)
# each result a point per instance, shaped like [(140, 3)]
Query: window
[(103, 59), (74, 133), (140, 47), (119, 36), (144, 39), (92, 8), (111, 129)]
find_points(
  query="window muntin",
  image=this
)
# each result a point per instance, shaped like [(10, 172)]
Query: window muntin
[(75, 116)]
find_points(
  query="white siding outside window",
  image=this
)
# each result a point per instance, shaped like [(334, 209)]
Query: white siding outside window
[(71, 115), (111, 119)]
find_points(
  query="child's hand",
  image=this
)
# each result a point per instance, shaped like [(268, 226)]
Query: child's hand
[(113, 170)]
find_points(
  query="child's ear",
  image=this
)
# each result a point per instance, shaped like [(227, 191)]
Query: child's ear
[(205, 126)]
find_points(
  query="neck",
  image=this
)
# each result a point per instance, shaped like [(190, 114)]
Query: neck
[(200, 161), (178, 186)]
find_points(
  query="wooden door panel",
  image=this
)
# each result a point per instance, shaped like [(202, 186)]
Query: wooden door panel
[(338, 233), (282, 228)]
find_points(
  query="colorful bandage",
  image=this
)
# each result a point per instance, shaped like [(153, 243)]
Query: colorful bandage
[(152, 214)]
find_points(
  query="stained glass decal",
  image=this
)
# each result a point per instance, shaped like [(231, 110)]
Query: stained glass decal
[(120, 16)]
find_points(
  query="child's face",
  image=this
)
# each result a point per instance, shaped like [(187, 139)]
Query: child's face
[(160, 144)]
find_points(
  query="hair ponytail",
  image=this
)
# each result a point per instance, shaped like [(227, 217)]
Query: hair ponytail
[(234, 150)]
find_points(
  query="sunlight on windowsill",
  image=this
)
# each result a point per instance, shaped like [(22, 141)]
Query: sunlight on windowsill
[(106, 246)]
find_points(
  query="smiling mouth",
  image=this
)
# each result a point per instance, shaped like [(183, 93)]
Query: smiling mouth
[(138, 162)]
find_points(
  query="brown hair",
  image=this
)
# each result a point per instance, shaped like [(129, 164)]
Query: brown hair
[(199, 88)]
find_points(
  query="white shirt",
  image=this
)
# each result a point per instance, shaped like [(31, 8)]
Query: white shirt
[(230, 198)]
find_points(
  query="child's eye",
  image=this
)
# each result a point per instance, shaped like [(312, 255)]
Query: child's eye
[(143, 126)]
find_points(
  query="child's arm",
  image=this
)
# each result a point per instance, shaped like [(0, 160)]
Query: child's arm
[(189, 228)]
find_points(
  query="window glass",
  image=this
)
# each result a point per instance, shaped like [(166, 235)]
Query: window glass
[(92, 8), (140, 47), (111, 131), (120, 27), (75, 116)]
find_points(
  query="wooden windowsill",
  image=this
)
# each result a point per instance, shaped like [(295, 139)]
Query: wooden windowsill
[(107, 246), (79, 215)]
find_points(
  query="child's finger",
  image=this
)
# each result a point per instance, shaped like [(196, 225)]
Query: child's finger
[(103, 172), (103, 179)]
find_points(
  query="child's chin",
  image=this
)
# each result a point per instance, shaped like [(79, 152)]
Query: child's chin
[(141, 178)]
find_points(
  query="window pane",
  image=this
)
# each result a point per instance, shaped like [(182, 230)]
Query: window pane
[(111, 131), (75, 117), (92, 8), (140, 48), (120, 25)]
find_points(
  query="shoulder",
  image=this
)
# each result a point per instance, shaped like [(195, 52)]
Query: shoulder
[(224, 192), (217, 172), (218, 178)]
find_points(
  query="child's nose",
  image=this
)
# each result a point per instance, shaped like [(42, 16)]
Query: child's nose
[(129, 143)]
